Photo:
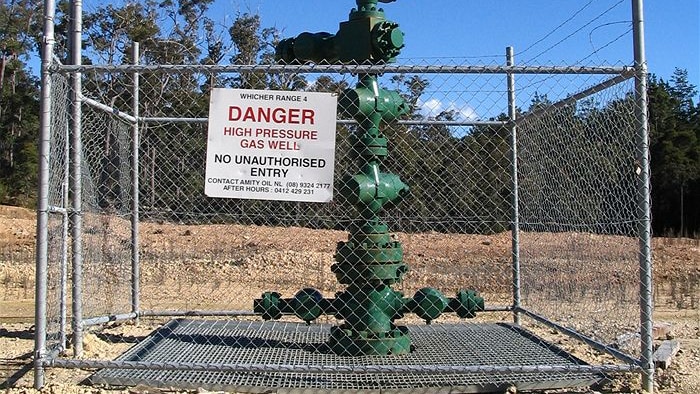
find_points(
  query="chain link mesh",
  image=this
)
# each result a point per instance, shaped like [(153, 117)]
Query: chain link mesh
[(452, 148), (57, 303), (578, 188)]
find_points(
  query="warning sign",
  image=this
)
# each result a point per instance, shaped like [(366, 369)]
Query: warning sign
[(271, 145)]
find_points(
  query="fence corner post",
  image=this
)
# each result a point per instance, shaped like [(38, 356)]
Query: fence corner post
[(644, 199)]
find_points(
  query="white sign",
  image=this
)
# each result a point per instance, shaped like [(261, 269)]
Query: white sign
[(271, 145)]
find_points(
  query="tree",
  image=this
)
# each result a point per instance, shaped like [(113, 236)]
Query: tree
[(19, 102), (675, 154)]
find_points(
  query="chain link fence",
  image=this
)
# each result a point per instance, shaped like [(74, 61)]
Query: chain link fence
[(152, 246)]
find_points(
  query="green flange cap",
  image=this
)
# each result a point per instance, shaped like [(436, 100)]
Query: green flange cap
[(307, 304), (387, 40), (467, 303), (429, 303), (268, 306)]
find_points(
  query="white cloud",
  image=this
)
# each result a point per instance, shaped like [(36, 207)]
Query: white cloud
[(434, 107), (465, 112), (431, 107)]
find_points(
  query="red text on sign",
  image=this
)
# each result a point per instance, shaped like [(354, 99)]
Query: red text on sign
[(271, 115)]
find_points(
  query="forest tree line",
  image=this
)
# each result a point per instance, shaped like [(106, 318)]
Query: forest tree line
[(180, 32)]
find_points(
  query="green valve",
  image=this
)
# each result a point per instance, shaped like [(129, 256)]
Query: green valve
[(429, 304), (372, 188), (368, 98), (371, 261), (366, 36)]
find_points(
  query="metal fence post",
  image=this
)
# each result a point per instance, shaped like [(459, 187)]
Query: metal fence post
[(644, 210), (135, 257), (41, 274), (65, 244), (515, 220), (76, 171)]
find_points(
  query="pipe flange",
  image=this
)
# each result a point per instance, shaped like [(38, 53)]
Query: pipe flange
[(387, 40)]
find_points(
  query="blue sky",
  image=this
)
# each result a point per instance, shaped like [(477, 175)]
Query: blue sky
[(592, 32), (542, 32)]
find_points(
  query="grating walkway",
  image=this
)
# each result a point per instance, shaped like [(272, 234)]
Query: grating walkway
[(283, 343)]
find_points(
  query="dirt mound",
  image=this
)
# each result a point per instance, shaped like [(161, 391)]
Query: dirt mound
[(17, 228), (10, 212)]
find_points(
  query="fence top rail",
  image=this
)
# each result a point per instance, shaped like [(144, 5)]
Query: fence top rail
[(344, 121), (349, 69)]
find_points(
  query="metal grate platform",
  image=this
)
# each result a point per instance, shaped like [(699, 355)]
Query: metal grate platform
[(284, 344)]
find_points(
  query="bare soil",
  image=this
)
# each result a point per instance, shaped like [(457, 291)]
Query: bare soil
[(280, 258)]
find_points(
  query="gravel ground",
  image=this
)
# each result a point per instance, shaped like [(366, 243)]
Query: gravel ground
[(191, 267)]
